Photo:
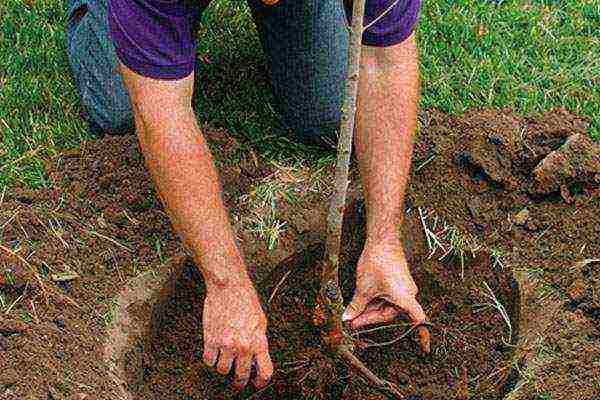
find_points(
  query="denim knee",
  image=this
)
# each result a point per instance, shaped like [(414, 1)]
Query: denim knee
[(323, 135), (94, 65)]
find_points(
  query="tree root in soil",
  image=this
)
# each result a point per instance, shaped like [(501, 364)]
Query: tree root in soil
[(381, 384)]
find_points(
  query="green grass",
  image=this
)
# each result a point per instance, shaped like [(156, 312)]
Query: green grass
[(528, 55)]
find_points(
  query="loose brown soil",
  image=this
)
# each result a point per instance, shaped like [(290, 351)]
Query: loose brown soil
[(469, 339), (104, 222), (544, 245)]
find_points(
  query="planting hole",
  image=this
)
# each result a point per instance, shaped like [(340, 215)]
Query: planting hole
[(471, 301)]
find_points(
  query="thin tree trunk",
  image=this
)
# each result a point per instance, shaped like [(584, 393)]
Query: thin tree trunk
[(330, 301), (331, 297)]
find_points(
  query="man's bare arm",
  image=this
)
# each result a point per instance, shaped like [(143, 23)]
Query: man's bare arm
[(386, 120), (181, 166)]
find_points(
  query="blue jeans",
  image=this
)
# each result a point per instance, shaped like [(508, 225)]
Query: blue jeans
[(305, 44)]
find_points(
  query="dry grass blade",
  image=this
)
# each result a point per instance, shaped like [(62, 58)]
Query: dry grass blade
[(383, 14), (57, 230), (424, 163), (10, 307), (30, 267), (586, 262), (94, 233), (2, 196), (33, 311), (30, 153), (434, 242), (64, 276), (37, 277), (8, 221), (278, 286), (422, 217), (495, 303)]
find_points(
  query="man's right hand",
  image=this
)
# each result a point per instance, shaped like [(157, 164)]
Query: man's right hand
[(183, 171), (235, 333)]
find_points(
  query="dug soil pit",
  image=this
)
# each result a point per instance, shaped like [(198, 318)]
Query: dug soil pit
[(100, 301), (161, 357)]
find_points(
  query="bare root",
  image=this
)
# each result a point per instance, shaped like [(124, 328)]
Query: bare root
[(379, 383)]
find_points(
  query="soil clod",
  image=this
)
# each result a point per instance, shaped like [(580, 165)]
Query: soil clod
[(575, 162)]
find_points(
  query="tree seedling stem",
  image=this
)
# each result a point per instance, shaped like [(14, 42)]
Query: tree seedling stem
[(330, 301)]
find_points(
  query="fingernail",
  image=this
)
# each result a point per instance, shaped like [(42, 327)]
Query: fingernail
[(240, 385), (346, 316)]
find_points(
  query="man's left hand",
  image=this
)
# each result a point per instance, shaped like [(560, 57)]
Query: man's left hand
[(385, 289)]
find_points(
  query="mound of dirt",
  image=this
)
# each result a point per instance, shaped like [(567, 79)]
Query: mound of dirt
[(544, 235), (551, 155), (102, 227)]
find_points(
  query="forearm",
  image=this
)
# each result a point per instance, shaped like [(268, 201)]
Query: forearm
[(386, 120), (182, 169)]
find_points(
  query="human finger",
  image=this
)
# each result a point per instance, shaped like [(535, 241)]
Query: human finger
[(210, 355), (375, 316), (242, 370), (356, 307), (264, 367), (375, 305), (225, 360), (414, 310)]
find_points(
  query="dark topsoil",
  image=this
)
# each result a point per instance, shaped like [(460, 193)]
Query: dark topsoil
[(526, 187)]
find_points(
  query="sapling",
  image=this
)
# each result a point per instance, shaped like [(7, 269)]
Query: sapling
[(328, 314)]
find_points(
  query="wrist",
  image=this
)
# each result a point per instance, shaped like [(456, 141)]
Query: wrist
[(383, 239), (382, 232), (223, 270), (229, 282)]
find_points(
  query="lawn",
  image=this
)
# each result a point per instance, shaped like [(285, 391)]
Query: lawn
[(528, 55)]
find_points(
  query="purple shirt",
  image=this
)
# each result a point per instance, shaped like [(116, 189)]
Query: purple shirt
[(156, 38)]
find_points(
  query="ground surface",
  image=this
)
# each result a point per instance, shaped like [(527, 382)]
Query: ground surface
[(468, 338), (531, 55), (472, 178), (483, 179)]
